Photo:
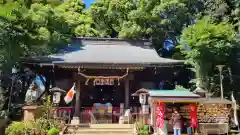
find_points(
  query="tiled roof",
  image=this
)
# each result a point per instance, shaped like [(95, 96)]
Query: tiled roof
[(111, 51), (214, 100), (172, 93)]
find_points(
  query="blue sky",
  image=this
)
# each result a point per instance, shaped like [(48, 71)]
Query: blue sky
[(88, 2)]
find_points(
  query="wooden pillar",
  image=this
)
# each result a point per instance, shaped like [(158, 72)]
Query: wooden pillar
[(76, 116), (78, 102), (152, 115), (126, 93)]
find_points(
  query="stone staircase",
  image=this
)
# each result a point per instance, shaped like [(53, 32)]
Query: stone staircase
[(100, 129)]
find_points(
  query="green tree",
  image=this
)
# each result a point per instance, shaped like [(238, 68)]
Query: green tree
[(206, 44), (157, 20), (222, 10), (35, 31), (28, 3), (30, 32), (47, 28), (78, 19)]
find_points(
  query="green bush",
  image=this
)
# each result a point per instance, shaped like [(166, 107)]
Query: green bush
[(53, 131), (16, 128), (142, 129), (145, 127), (44, 124), (143, 132)]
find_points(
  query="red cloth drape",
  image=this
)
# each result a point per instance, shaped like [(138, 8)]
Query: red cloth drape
[(160, 115), (193, 115)]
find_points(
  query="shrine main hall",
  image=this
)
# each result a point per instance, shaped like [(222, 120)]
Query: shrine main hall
[(107, 70)]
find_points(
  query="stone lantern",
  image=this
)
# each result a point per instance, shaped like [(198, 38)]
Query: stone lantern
[(143, 100), (56, 94)]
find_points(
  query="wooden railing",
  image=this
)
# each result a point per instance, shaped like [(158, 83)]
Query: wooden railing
[(88, 116), (85, 116), (63, 113)]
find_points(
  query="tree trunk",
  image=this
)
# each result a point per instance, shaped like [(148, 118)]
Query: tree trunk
[(202, 74)]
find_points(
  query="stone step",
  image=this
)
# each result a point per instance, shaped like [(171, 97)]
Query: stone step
[(78, 125), (114, 126), (100, 131), (101, 134)]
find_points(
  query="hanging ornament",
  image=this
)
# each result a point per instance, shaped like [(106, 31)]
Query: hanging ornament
[(97, 82), (111, 82), (79, 70), (107, 81), (103, 80), (86, 83), (118, 81)]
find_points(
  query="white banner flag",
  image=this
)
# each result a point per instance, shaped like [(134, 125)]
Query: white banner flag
[(235, 110)]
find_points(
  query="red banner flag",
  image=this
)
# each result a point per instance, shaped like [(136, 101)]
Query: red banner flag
[(193, 115), (160, 115)]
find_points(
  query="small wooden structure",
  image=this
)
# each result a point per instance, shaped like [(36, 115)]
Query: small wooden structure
[(171, 98), (212, 112), (213, 115)]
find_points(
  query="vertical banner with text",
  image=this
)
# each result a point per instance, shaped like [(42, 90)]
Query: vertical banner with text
[(160, 115), (193, 115)]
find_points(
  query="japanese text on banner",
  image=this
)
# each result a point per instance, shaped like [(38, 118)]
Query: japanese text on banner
[(193, 115), (160, 115)]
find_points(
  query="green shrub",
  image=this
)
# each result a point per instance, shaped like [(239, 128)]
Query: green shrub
[(145, 127), (38, 126), (143, 132), (16, 128), (53, 131), (142, 129)]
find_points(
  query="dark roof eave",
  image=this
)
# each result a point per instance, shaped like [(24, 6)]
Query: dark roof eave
[(109, 63), (180, 63), (191, 97)]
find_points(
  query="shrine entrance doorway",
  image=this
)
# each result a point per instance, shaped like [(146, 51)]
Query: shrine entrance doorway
[(103, 101), (103, 94), (107, 94)]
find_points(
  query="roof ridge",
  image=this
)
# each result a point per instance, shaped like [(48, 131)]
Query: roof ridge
[(111, 39)]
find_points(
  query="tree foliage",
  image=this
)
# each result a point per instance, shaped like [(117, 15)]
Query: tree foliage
[(207, 44), (153, 19), (41, 28), (78, 19), (222, 10)]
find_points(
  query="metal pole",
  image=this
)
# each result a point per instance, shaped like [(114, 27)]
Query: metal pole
[(220, 68)]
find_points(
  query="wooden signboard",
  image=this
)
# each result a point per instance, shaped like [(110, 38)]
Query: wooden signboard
[(103, 81)]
